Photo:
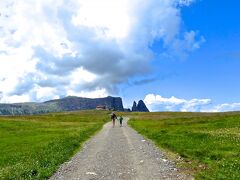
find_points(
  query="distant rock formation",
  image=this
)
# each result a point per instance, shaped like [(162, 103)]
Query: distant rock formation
[(140, 107), (127, 110), (134, 107), (70, 103)]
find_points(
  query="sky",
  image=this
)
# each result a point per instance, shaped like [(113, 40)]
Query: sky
[(176, 55)]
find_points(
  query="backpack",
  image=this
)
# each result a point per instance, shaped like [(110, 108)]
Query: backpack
[(113, 116)]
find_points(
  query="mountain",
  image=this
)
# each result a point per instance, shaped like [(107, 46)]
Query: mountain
[(140, 107), (69, 103), (72, 103), (134, 107)]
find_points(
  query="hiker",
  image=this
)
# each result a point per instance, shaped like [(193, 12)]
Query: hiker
[(120, 120), (113, 117)]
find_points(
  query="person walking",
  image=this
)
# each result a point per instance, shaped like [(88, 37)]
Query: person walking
[(113, 117), (120, 120)]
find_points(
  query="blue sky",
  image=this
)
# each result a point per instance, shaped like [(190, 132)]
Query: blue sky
[(176, 55), (212, 71)]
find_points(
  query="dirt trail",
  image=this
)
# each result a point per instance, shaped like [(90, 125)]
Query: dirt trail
[(118, 153)]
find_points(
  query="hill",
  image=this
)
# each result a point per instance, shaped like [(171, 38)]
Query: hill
[(70, 103)]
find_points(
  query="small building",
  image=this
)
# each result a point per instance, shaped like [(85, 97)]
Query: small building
[(101, 107)]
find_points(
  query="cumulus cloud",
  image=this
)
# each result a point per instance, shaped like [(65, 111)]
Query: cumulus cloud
[(55, 48), (158, 103), (225, 107)]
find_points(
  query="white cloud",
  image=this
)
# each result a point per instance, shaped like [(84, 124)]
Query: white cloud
[(15, 98), (195, 105), (51, 48), (186, 2), (182, 47), (95, 14), (96, 93), (42, 91), (159, 103), (225, 107)]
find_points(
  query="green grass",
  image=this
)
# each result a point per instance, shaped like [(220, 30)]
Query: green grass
[(209, 143), (32, 147)]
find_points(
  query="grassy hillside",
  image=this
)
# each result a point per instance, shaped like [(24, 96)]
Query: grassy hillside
[(32, 147), (209, 143)]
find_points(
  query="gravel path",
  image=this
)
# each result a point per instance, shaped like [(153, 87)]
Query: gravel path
[(118, 153)]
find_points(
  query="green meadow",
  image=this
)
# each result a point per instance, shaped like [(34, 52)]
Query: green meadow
[(32, 147), (208, 143)]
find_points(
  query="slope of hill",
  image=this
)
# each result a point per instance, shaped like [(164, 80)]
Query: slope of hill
[(69, 103)]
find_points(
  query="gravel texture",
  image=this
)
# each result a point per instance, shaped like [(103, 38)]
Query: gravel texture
[(118, 153)]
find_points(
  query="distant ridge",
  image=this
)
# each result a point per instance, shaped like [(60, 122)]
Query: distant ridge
[(69, 103)]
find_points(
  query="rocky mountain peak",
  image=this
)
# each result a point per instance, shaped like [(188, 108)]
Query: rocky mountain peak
[(134, 107), (140, 107)]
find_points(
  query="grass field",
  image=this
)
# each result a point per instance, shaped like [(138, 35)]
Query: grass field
[(209, 143), (32, 147)]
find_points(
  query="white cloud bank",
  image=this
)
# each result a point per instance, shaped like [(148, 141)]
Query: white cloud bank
[(225, 107), (55, 48), (158, 103)]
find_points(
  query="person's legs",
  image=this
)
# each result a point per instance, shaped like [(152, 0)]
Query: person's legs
[(121, 123), (113, 122)]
